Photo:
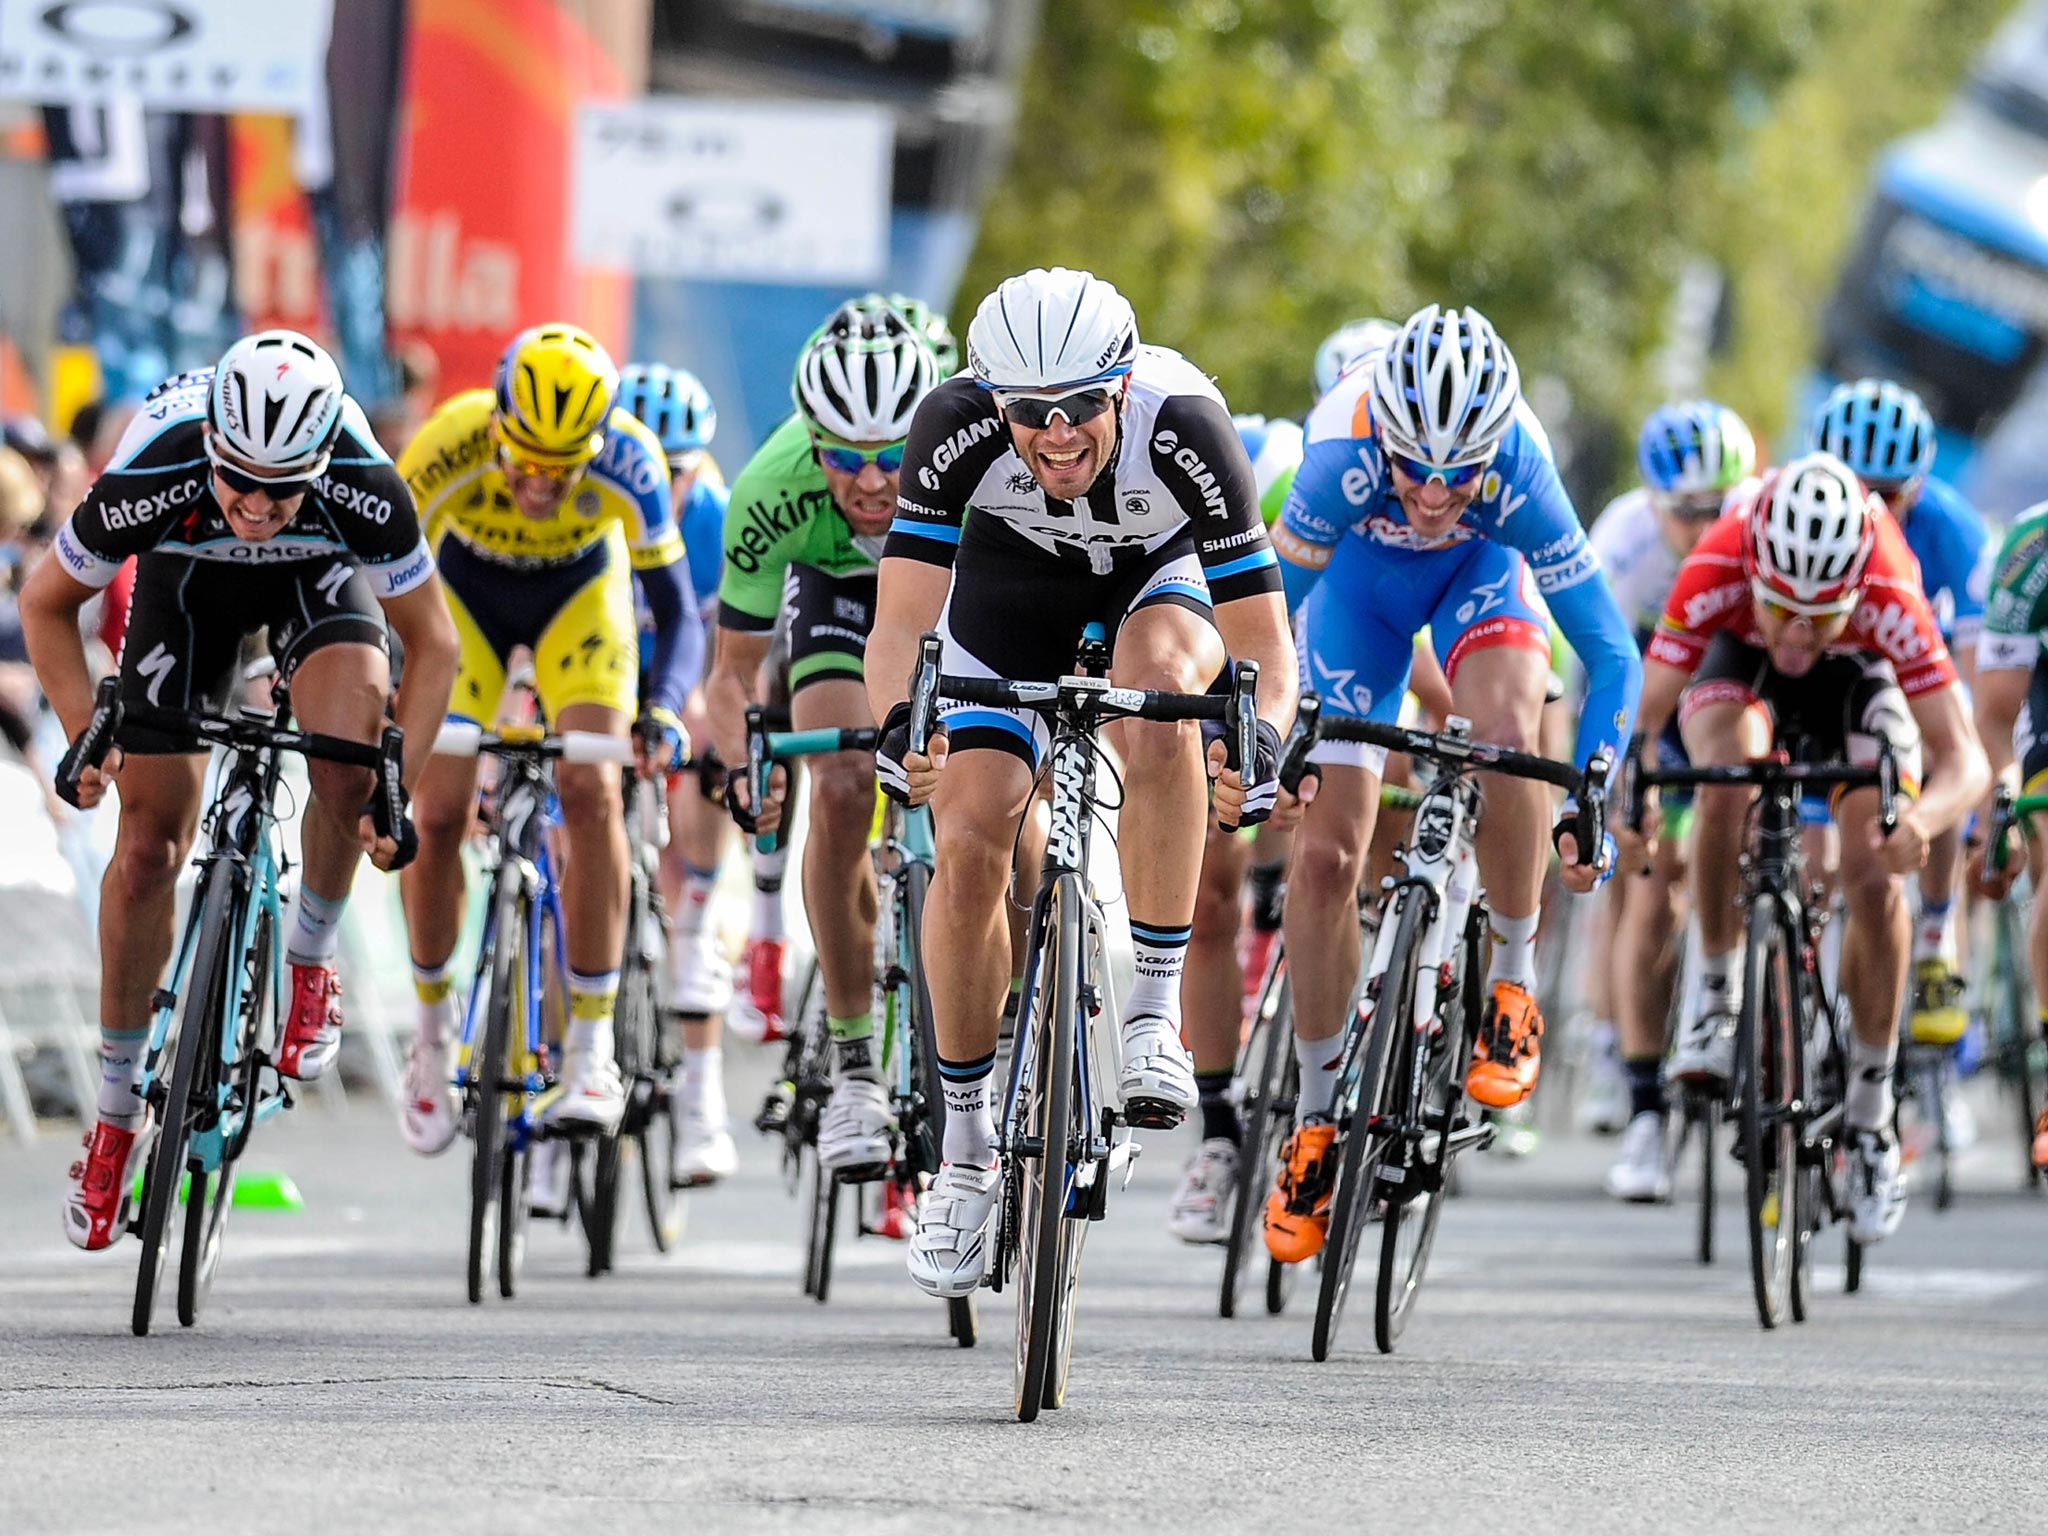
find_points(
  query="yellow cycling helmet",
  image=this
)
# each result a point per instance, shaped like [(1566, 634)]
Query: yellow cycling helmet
[(556, 388)]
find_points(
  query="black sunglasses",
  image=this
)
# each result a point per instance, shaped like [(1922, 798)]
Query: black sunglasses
[(1036, 411)]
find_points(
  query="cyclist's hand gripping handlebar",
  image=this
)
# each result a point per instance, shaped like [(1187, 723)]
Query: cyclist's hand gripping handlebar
[(94, 742), (1301, 740), (388, 801)]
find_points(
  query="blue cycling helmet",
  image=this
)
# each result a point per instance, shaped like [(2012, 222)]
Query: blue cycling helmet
[(1879, 429), (672, 404), (1694, 447)]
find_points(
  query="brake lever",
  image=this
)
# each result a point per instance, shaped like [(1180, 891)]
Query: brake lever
[(1301, 740)]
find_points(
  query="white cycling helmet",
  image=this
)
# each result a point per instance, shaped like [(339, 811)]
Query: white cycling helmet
[(1049, 328), (1807, 538), (275, 406), (1444, 390), (1346, 345), (864, 372)]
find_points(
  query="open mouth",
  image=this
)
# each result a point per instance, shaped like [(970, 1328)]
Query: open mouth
[(1062, 461)]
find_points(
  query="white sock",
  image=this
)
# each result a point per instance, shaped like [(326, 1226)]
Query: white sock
[(1934, 935), (1318, 1062), (1867, 1105), (316, 929), (591, 1001), (1720, 983), (698, 884), (121, 1054), (1161, 954), (768, 872), (970, 1137), (1514, 949), (703, 1085)]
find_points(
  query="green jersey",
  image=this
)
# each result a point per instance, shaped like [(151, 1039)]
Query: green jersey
[(2016, 614), (782, 515)]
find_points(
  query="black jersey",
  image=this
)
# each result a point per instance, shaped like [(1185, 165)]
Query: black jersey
[(156, 497)]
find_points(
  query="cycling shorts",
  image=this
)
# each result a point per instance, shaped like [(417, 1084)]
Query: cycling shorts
[(1017, 615), (188, 619), (576, 616), (1841, 709), (2030, 733), (1358, 626)]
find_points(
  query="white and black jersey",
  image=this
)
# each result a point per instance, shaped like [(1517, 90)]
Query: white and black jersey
[(1178, 468), (156, 498)]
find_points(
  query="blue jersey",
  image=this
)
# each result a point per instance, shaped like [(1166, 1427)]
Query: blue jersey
[(703, 524), (1955, 552), (1344, 500)]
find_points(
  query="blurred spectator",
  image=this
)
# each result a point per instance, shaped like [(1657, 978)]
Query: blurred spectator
[(22, 505), (68, 484), (110, 424), (31, 439), (419, 391)]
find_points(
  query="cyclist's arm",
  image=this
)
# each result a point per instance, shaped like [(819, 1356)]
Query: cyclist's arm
[(1999, 694), (678, 659), (735, 670), (909, 596), (1957, 771), (1255, 629), (1663, 685), (419, 616), (1592, 621), (50, 604)]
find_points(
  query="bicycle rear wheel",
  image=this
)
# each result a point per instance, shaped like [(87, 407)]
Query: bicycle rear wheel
[(1261, 1117), (633, 1027), (1704, 1111), (1408, 1227), (209, 1199), (183, 1103), (1769, 1055), (487, 1071), (1368, 1098), (2023, 1053), (1046, 1256)]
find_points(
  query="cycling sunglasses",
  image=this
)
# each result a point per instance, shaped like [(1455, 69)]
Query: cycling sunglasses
[(520, 467), (1455, 478), (242, 483), (1696, 507), (1820, 616), (1035, 411), (851, 461)]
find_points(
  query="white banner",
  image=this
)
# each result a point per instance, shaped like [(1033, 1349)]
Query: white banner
[(755, 191), (170, 55)]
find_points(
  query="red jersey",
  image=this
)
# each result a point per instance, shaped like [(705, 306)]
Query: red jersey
[(1892, 617)]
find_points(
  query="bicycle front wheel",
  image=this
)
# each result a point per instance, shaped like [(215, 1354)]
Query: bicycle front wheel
[(1261, 1118), (1047, 1256), (487, 1069), (1364, 1099), (1769, 1053), (184, 1100)]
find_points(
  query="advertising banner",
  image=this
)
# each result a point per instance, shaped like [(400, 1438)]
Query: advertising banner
[(167, 55), (776, 192)]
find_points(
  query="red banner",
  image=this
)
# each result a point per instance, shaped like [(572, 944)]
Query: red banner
[(479, 244)]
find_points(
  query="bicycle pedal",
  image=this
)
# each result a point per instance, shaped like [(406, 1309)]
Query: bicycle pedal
[(1153, 1114)]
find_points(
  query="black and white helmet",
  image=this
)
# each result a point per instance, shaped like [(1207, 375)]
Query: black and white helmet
[(1808, 534), (1049, 328), (864, 372), (274, 406), (1444, 390)]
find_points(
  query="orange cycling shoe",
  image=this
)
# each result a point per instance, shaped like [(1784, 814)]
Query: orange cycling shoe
[(1506, 1060), (2041, 1140), (1298, 1209)]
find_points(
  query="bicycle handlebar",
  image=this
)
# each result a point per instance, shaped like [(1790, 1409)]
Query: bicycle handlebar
[(463, 738), (1777, 770), (387, 805)]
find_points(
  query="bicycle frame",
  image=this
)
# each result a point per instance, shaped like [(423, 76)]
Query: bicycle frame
[(522, 811), (243, 839)]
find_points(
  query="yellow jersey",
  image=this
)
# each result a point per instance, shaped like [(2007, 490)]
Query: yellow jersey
[(452, 468)]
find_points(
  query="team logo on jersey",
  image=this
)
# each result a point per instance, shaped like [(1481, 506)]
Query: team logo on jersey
[(1137, 504), (367, 505), (586, 502), (1166, 443), (1020, 481), (1486, 597), (953, 447)]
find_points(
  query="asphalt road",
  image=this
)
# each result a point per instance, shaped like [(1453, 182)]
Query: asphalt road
[(1570, 1369)]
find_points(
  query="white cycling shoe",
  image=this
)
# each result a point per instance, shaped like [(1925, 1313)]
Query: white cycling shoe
[(699, 975), (1158, 1083), (705, 1152), (949, 1251), (1705, 1053), (1200, 1212), (1877, 1188), (856, 1133), (1639, 1175), (1603, 1106), (593, 1093), (431, 1115)]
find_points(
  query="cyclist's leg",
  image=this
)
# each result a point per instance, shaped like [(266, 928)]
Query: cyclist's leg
[(586, 667), (1494, 639), (1938, 1016), (327, 634), (1212, 994), (1724, 718)]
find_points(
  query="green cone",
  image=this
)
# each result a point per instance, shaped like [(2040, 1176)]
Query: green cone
[(253, 1190)]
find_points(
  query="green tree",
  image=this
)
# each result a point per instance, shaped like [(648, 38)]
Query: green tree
[(1251, 173)]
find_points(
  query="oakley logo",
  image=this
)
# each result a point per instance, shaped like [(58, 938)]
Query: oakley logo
[(118, 27)]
